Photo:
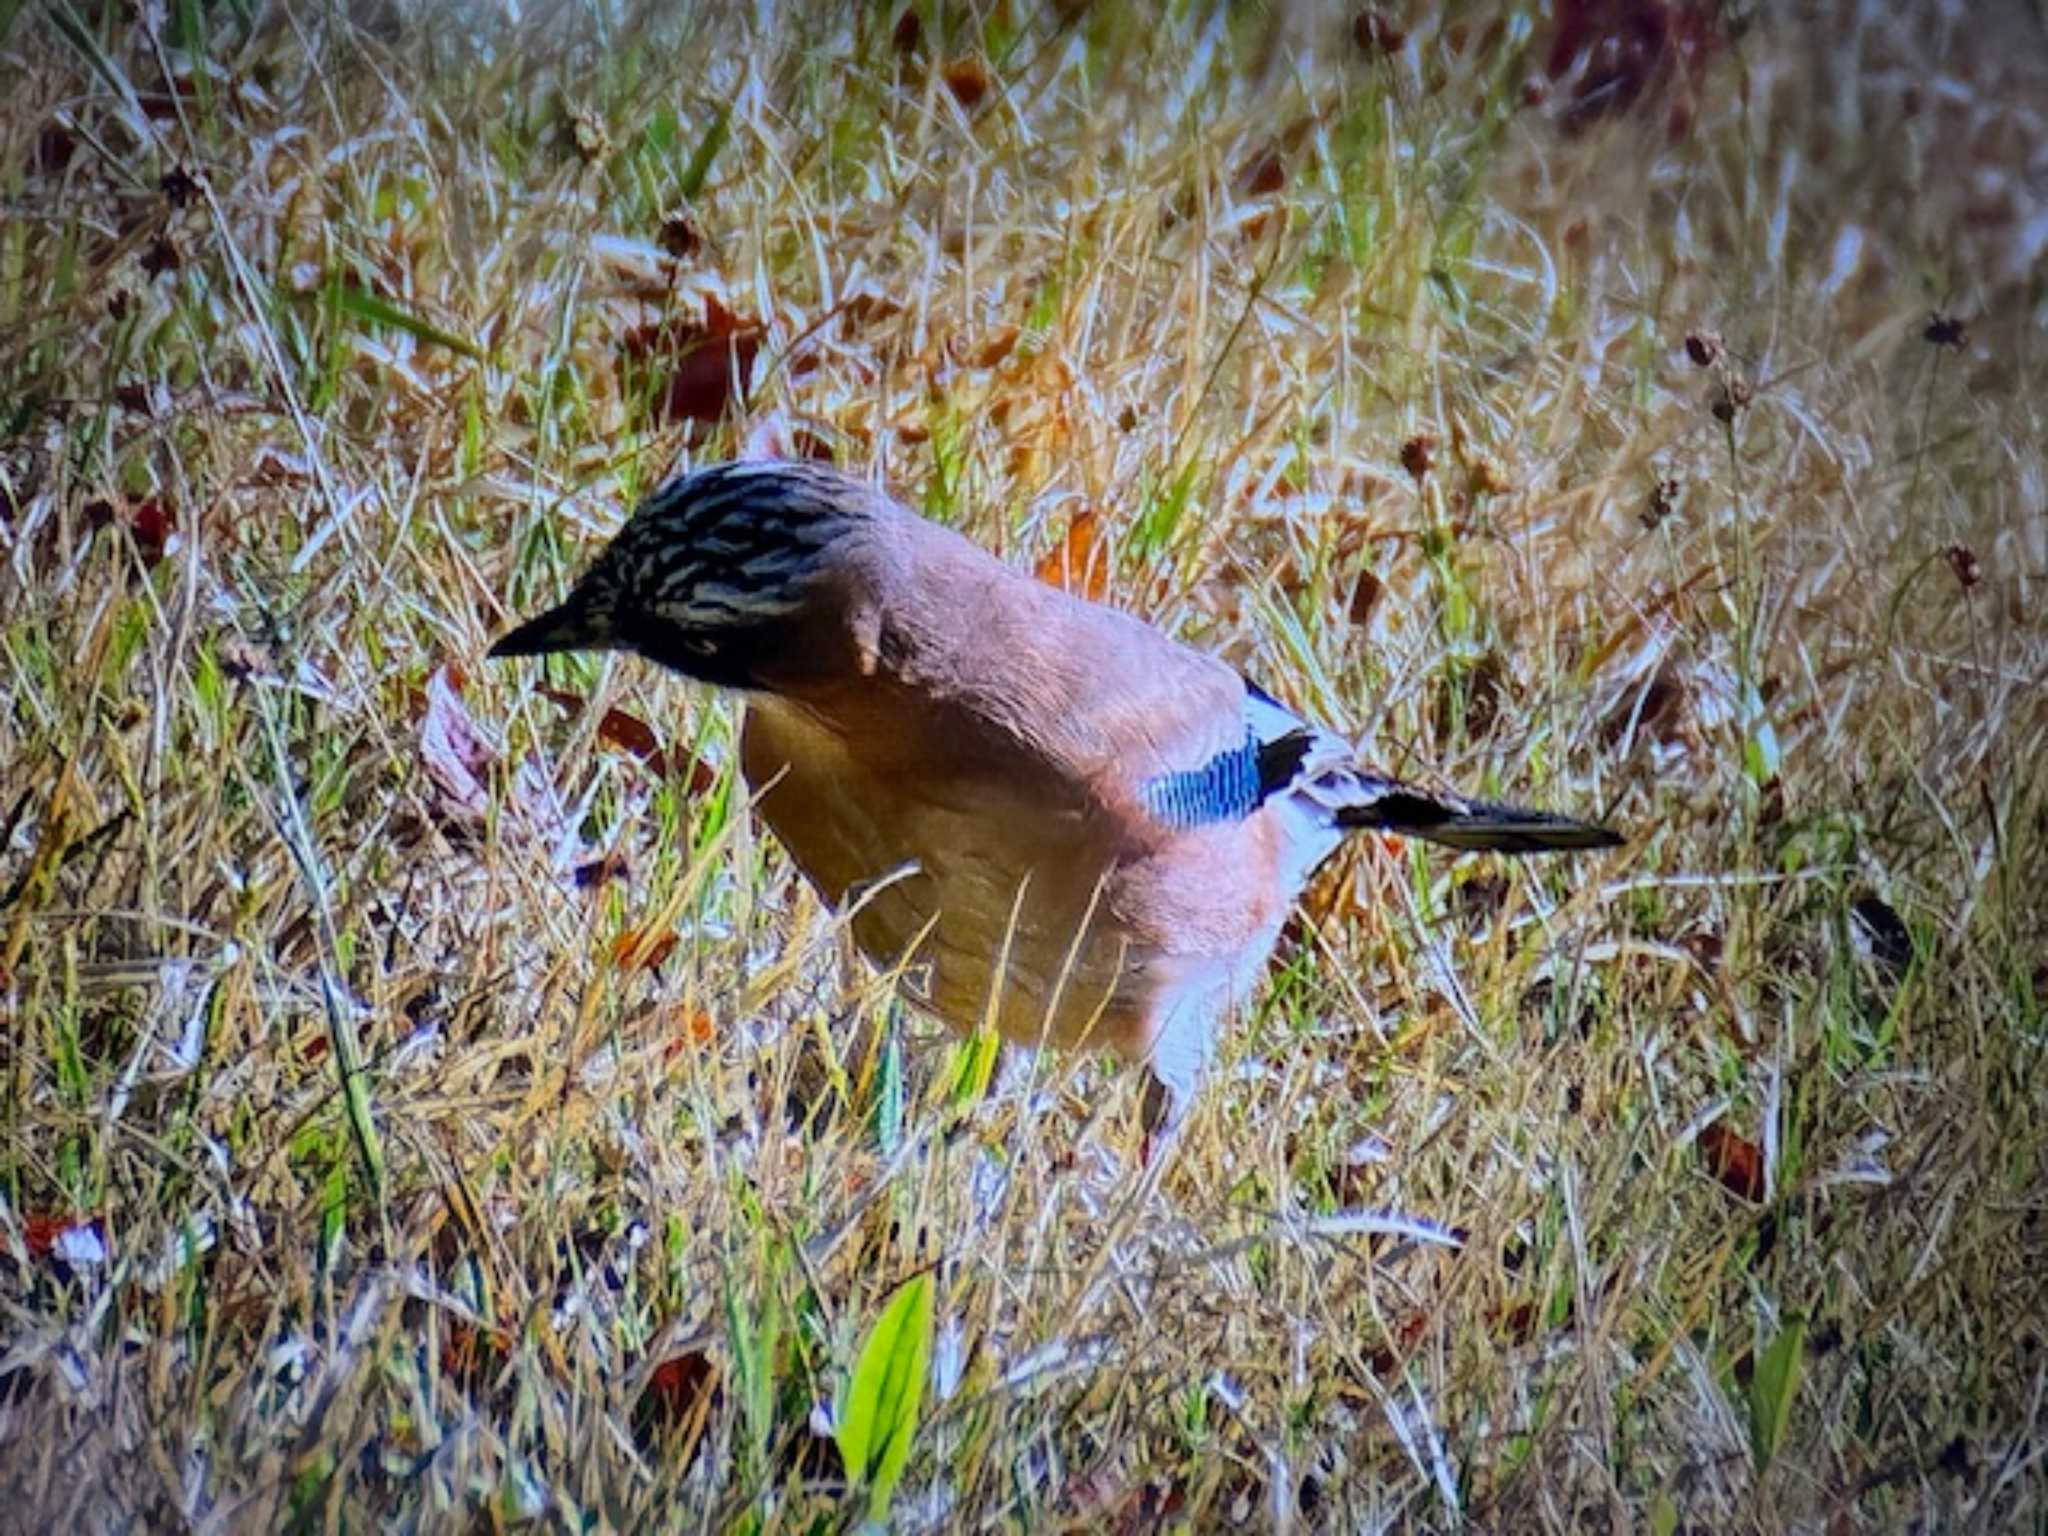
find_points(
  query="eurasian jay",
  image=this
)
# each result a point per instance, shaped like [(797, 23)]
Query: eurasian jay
[(1054, 816)]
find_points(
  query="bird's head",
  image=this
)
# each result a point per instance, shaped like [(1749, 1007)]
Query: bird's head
[(712, 574)]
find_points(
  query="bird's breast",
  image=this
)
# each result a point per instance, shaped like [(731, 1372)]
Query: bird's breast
[(1022, 901), (994, 889)]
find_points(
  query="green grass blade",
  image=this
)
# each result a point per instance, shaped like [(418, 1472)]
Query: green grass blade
[(1773, 1389), (879, 1416), (360, 304)]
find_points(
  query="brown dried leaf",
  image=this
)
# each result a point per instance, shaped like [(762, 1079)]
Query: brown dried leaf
[(968, 79), (997, 346), (1079, 563), (642, 949), (1963, 562), (1261, 175), (681, 236), (1376, 35), (1365, 597)]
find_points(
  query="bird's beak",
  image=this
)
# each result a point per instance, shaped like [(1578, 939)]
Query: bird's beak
[(574, 626)]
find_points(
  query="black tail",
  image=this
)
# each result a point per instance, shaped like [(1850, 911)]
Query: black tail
[(1387, 805)]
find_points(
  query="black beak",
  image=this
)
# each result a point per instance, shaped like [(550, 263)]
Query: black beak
[(573, 626)]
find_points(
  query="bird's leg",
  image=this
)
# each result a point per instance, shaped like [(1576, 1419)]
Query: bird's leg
[(1174, 1070), (1161, 1113)]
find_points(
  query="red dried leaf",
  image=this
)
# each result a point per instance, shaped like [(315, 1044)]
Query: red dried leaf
[(689, 1028), (807, 444), (1389, 1357), (1611, 55), (693, 370), (679, 1391), (629, 733), (1736, 1162), (152, 522), (469, 1352), (869, 306), (65, 1242), (570, 704), (908, 31)]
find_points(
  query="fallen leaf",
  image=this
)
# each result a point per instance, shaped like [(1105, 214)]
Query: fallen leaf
[(1079, 563), (1612, 55), (692, 370), (72, 1239), (642, 949), (868, 305), (997, 346), (1962, 562), (1264, 173), (1365, 597), (687, 1027), (469, 1352), (1375, 35), (613, 866), (968, 79), (629, 733), (1737, 1163), (452, 750), (152, 522), (677, 1403), (681, 236)]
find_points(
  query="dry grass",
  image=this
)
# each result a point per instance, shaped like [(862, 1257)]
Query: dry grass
[(360, 1168)]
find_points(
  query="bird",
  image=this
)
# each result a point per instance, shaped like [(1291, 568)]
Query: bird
[(1045, 813)]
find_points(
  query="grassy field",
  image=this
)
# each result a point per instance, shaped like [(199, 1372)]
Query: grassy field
[(430, 1104)]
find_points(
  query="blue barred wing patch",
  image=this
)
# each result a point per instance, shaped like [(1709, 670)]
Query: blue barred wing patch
[(1223, 789), (1235, 782)]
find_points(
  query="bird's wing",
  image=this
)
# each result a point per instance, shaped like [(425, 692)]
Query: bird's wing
[(1274, 752)]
